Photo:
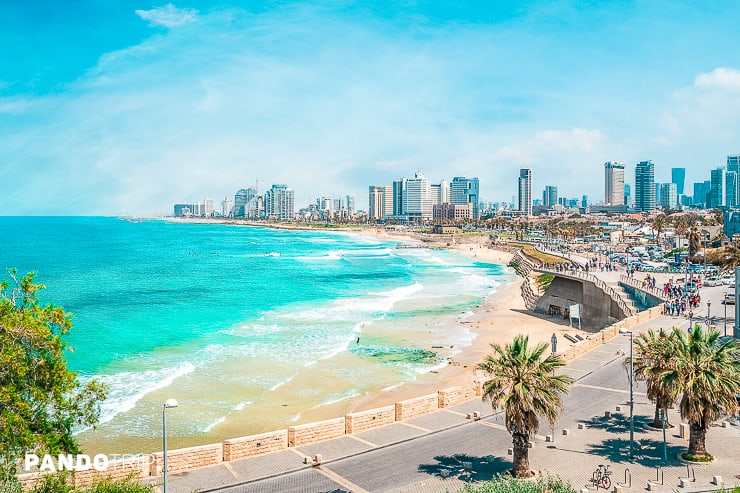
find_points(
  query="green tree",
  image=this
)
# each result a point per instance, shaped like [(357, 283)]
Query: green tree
[(708, 373), (41, 401), (525, 385), (652, 359)]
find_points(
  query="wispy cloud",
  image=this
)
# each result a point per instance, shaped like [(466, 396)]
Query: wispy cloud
[(168, 16)]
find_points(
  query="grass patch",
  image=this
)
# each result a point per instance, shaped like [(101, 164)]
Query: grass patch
[(696, 458), (530, 251), (509, 484), (544, 280)]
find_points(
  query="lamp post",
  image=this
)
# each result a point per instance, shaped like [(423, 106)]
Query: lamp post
[(622, 330), (709, 307), (691, 321), (725, 302), (169, 404)]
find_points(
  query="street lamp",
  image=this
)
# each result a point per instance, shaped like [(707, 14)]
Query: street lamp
[(709, 306), (622, 330), (725, 302), (169, 404)]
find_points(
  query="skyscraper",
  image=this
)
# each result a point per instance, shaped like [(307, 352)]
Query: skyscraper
[(613, 183), (678, 176), (279, 203), (668, 195), (550, 196), (375, 208), (731, 196), (465, 191), (412, 197), (733, 163), (645, 186), (717, 188), (244, 201), (525, 191)]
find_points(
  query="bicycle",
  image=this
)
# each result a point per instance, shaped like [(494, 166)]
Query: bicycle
[(601, 477)]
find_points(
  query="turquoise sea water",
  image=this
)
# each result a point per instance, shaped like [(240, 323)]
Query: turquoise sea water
[(235, 320)]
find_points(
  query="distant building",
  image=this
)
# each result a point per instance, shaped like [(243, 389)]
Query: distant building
[(412, 198), (452, 211), (717, 188), (614, 189), (525, 191), (645, 186), (701, 193), (227, 207), (279, 203), (733, 163), (376, 209), (208, 208), (550, 196), (440, 193), (245, 203), (440, 229), (465, 191), (668, 196), (181, 210), (678, 176)]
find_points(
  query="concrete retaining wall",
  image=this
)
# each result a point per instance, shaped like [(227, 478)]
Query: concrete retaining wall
[(249, 446), (184, 459), (412, 408), (367, 420), (315, 432)]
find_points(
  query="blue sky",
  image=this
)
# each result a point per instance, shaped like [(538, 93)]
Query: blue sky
[(126, 106)]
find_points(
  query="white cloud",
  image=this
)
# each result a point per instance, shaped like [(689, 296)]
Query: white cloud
[(576, 139), (168, 16), (722, 78)]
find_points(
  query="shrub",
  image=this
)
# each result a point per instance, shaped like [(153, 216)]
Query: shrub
[(509, 484)]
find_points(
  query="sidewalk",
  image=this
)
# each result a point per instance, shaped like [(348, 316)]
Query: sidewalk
[(438, 452)]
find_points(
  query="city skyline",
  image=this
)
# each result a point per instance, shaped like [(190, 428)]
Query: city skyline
[(129, 108)]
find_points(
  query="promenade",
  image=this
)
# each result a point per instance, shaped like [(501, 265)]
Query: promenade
[(439, 452)]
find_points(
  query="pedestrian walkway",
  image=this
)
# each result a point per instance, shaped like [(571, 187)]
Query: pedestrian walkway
[(442, 451)]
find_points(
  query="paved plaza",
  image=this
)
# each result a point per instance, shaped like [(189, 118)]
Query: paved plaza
[(441, 451)]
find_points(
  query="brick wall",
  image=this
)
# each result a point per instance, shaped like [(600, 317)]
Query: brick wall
[(135, 467), (367, 420), (239, 448), (315, 432), (412, 408), (184, 459)]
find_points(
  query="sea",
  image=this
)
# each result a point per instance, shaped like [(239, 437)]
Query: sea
[(249, 328)]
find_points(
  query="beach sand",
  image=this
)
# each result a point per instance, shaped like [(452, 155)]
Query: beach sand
[(497, 320)]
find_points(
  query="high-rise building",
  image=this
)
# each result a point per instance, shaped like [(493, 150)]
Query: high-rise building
[(440, 192), (668, 196), (465, 191), (733, 163), (244, 202), (701, 193), (627, 195), (183, 210), (350, 202), (376, 209), (613, 183), (525, 191), (412, 197), (227, 207), (584, 201), (208, 208), (717, 188), (279, 203), (678, 176), (387, 201), (550, 196), (731, 195), (645, 186)]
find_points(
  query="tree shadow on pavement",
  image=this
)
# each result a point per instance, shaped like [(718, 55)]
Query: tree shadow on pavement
[(647, 452), (617, 423), (466, 467)]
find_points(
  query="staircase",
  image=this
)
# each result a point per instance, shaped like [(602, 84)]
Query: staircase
[(627, 298)]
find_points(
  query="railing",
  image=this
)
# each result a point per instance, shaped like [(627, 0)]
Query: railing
[(643, 286), (628, 310)]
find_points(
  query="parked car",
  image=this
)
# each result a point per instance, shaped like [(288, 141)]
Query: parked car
[(730, 298), (691, 287), (713, 281)]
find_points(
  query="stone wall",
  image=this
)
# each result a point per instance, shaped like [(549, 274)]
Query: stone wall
[(249, 446), (412, 408), (135, 468), (367, 420), (315, 432), (453, 396), (184, 459)]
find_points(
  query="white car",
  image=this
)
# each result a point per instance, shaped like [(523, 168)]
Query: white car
[(713, 281)]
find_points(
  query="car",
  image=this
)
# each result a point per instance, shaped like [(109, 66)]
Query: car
[(691, 287), (713, 281)]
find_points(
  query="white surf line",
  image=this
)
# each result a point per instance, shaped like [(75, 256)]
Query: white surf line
[(362, 441), (413, 426), (607, 389), (341, 480)]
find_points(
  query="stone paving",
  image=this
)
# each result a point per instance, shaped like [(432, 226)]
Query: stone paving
[(404, 458)]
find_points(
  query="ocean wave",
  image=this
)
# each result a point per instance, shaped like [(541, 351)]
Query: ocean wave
[(125, 389)]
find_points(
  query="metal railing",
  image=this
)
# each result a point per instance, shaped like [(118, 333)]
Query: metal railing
[(643, 286)]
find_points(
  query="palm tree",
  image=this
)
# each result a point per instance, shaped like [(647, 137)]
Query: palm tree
[(526, 386), (652, 359), (694, 241), (659, 224), (708, 373)]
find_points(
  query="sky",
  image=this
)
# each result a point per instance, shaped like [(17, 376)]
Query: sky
[(125, 107)]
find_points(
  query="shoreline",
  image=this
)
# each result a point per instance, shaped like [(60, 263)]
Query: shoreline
[(498, 318)]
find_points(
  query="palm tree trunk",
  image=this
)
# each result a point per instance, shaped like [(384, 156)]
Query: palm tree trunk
[(697, 440), (520, 467)]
